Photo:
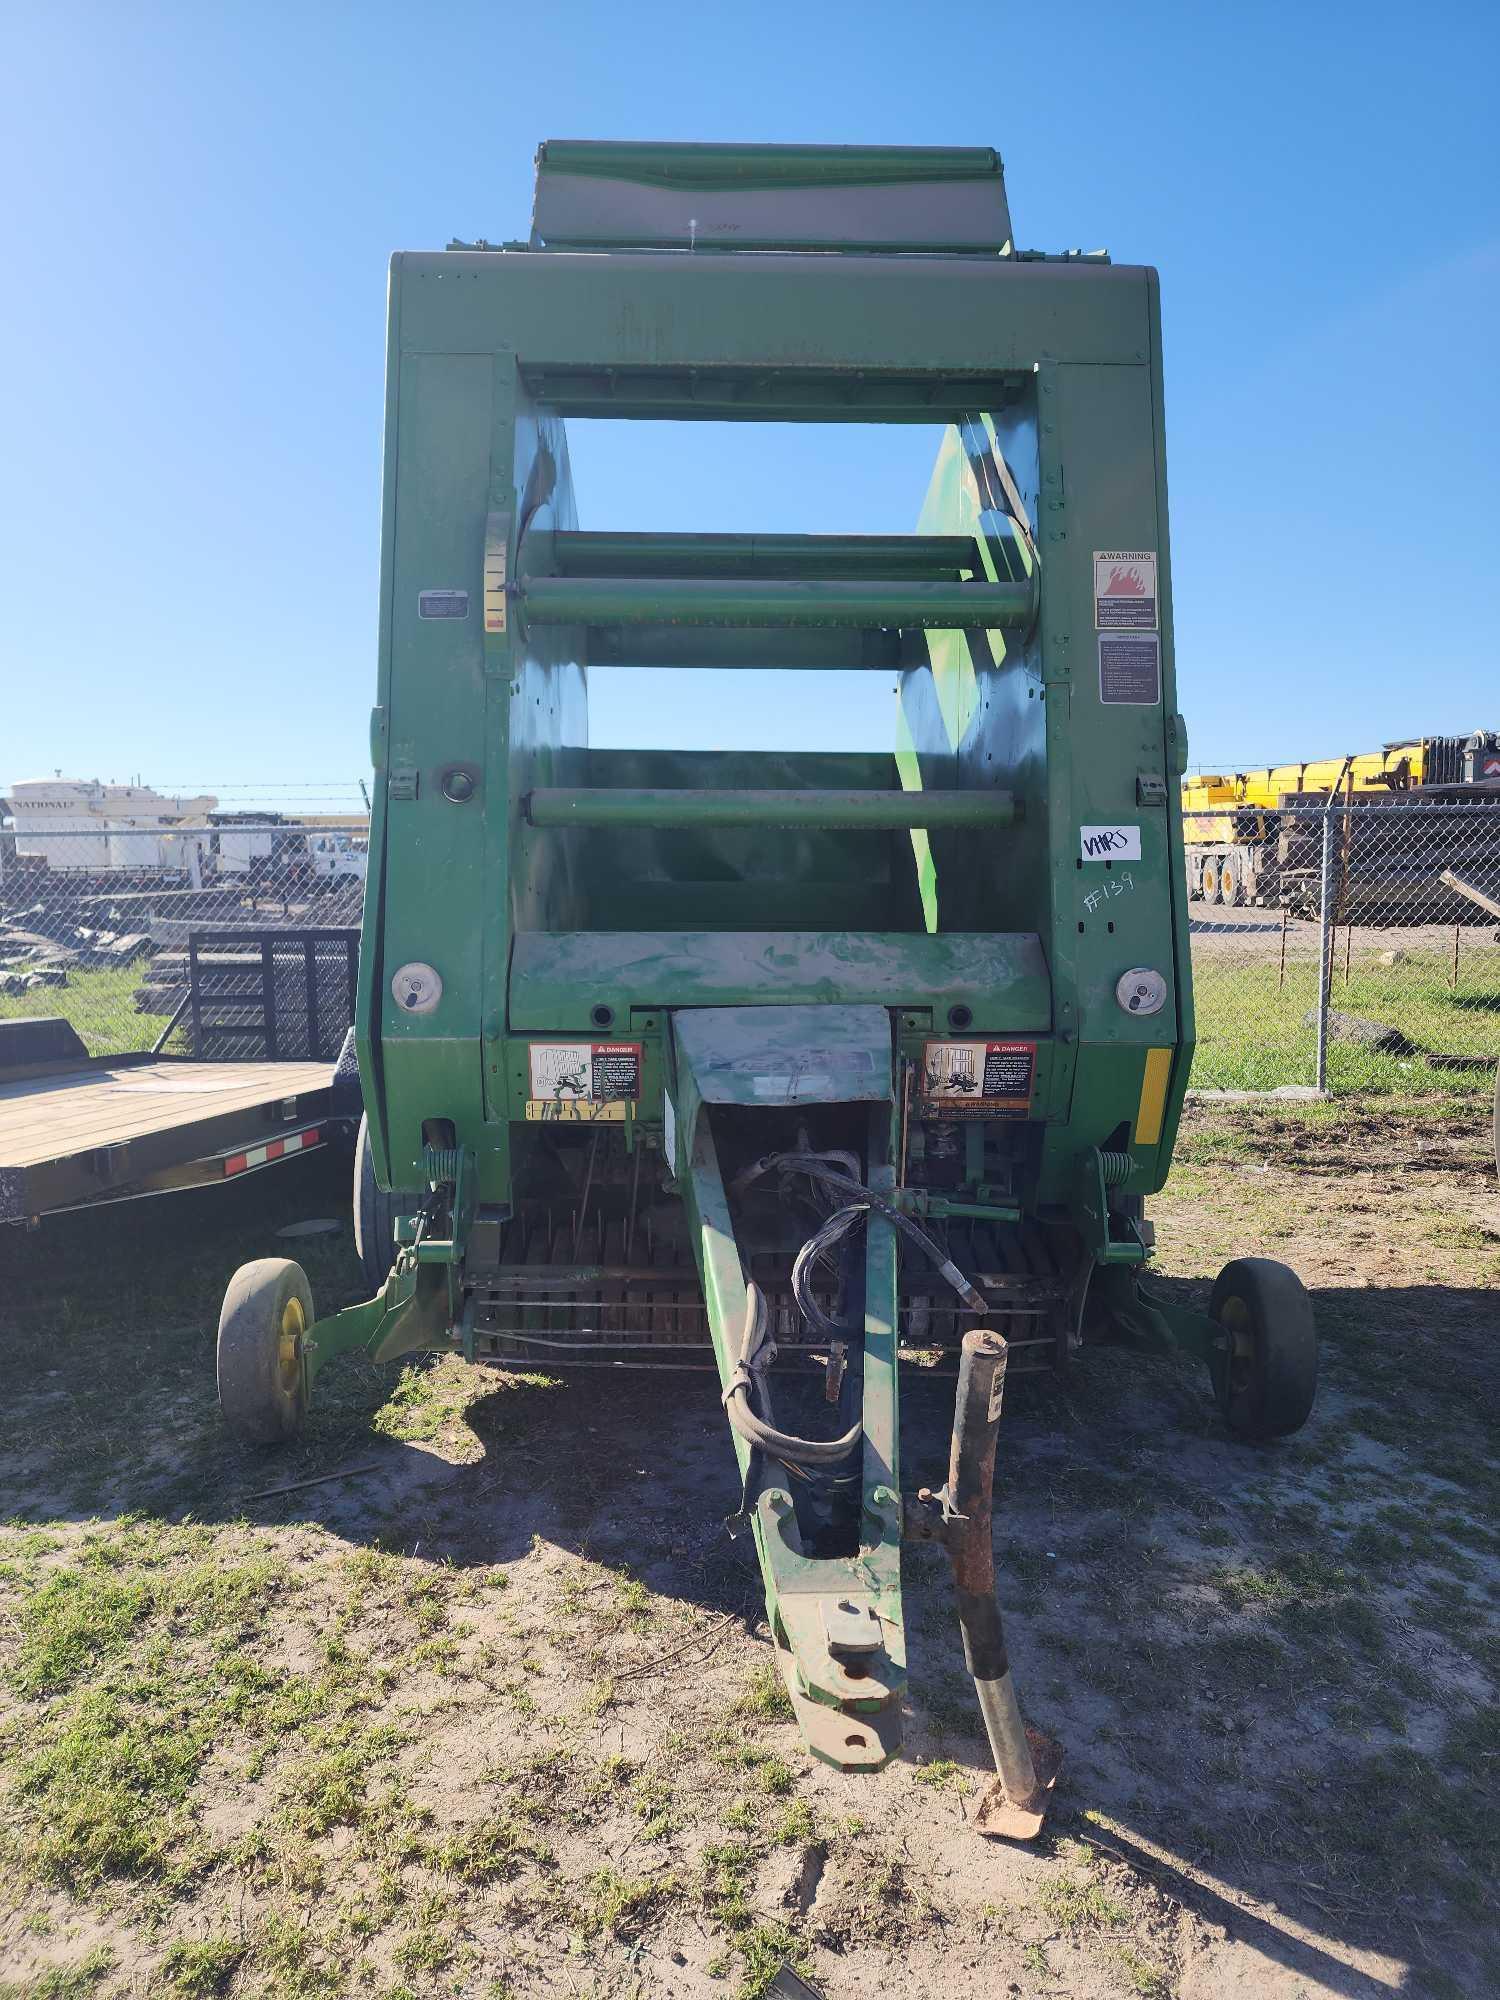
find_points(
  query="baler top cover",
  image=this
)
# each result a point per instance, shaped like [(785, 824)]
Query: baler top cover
[(598, 194)]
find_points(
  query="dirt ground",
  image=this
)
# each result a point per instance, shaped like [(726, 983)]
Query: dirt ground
[(492, 1712)]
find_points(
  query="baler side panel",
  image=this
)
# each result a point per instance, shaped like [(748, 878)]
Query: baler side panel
[(371, 978), (1113, 914), (1177, 752), (432, 862)]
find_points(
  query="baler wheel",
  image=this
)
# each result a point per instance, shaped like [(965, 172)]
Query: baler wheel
[(1269, 1377), (262, 1374), (375, 1213)]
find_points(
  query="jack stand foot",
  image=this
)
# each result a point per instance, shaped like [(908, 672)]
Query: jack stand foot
[(1000, 1817)]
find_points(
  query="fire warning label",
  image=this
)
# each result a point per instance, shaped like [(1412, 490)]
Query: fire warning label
[(1125, 590), (584, 1072), (978, 1079)]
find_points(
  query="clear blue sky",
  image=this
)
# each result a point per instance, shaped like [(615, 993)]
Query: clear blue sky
[(200, 202)]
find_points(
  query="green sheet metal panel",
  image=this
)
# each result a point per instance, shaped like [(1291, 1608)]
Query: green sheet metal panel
[(769, 1057), (433, 695), (653, 310), (556, 979)]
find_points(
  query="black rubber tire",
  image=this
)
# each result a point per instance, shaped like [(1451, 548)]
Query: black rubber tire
[(375, 1213), (262, 1376), (1266, 1387)]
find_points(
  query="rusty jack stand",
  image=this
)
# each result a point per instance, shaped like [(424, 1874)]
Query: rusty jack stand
[(1013, 1804)]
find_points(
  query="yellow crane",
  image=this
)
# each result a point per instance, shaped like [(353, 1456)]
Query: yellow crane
[(1244, 846)]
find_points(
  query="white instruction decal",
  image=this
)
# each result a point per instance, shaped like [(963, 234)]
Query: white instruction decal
[(1130, 668), (1125, 590), (1109, 843)]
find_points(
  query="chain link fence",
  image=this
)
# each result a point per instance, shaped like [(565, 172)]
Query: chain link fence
[(224, 941), (1351, 947), (1346, 944)]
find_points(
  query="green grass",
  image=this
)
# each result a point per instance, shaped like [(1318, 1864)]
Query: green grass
[(197, 1968), (1078, 1902), (100, 1003), (1251, 1032), (764, 1697)]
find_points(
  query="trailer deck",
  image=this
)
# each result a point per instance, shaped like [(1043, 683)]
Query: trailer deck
[(76, 1128)]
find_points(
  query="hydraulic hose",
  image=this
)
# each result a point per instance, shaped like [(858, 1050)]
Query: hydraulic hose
[(859, 1198), (746, 1385)]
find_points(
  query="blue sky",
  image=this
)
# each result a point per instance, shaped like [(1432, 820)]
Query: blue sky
[(200, 203)]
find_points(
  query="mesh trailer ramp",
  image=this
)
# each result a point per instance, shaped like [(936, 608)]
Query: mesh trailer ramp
[(781, 1063)]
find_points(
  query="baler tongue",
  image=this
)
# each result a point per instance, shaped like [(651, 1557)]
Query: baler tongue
[(835, 1608), (835, 1617)]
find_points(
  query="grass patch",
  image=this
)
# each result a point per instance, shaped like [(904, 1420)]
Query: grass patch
[(106, 1794), (198, 1968), (764, 1697), (1078, 1902), (619, 1906), (73, 1622), (494, 1849), (1253, 1035)]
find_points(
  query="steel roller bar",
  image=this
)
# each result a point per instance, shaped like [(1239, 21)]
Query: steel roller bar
[(571, 600), (780, 558), (619, 806)]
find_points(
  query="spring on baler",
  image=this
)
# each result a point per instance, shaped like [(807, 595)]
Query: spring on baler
[(1115, 1168)]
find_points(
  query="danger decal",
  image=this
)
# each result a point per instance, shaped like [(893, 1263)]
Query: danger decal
[(978, 1079), (584, 1072)]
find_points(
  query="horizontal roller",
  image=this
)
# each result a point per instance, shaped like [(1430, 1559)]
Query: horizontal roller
[(605, 805), (804, 648), (577, 600), (881, 558)]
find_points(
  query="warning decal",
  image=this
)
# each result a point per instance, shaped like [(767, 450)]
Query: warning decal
[(1125, 590), (977, 1079), (584, 1072), (1129, 667)]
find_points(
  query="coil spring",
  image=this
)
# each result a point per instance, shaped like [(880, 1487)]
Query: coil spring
[(1115, 1167), (439, 1164)]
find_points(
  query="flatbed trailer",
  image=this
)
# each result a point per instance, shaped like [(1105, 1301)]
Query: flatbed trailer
[(77, 1129)]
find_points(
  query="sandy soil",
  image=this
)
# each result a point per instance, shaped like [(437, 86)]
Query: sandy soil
[(490, 1713)]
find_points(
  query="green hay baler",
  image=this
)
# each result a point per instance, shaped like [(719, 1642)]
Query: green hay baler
[(816, 1062)]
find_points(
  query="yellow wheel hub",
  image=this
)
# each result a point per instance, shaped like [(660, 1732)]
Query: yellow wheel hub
[(289, 1346)]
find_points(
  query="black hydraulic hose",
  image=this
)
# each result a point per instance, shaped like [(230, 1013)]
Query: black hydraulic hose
[(821, 1241), (746, 1382), (747, 1385), (860, 1197)]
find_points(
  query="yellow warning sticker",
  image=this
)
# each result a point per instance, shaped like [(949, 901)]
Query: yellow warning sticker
[(496, 534), (575, 1111)]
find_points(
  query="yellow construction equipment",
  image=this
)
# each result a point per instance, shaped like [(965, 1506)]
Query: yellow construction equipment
[(1252, 836)]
